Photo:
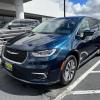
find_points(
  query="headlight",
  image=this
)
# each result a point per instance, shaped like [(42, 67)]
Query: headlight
[(44, 53)]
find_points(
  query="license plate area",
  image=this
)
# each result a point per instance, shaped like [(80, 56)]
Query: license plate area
[(8, 66)]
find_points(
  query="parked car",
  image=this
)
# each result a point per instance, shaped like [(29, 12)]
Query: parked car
[(17, 27), (53, 51)]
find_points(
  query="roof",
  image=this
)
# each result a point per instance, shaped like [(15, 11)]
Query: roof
[(73, 17), (80, 17), (94, 17)]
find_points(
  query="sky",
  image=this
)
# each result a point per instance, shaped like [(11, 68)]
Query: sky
[(55, 7), (79, 1)]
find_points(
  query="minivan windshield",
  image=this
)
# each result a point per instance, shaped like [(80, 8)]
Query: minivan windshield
[(59, 25)]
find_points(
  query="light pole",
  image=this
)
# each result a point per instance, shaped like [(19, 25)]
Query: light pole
[(64, 8)]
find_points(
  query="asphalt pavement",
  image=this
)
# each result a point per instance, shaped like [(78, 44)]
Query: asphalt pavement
[(81, 88)]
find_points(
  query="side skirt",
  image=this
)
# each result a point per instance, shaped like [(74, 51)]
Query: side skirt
[(89, 58)]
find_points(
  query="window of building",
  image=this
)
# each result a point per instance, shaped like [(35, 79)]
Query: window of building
[(4, 20)]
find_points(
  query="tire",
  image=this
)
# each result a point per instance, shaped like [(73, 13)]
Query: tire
[(69, 70)]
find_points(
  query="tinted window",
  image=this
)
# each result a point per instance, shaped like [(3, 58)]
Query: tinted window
[(60, 25), (99, 24), (84, 25), (93, 24)]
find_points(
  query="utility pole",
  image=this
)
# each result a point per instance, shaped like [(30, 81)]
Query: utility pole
[(64, 8)]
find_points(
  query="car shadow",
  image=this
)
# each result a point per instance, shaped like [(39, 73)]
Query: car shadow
[(12, 86)]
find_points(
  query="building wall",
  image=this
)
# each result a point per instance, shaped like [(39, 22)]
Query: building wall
[(5, 6), (5, 19), (7, 13)]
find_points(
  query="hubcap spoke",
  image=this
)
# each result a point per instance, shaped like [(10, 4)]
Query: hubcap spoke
[(73, 68), (68, 64), (70, 70), (69, 76)]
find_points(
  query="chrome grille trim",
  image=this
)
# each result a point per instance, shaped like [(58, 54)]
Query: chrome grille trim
[(14, 62)]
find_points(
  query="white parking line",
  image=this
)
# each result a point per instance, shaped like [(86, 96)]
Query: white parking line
[(95, 72), (73, 85), (85, 92)]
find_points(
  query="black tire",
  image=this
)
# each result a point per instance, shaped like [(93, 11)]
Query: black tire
[(69, 70)]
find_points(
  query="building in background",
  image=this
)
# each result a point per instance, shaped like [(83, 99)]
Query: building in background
[(11, 9)]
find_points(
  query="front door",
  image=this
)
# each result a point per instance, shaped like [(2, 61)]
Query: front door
[(86, 45)]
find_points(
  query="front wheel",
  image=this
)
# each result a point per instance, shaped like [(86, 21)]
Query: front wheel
[(69, 70)]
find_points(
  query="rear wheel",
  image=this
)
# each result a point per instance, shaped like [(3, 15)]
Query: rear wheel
[(69, 70)]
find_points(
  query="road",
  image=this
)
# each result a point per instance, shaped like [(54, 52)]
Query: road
[(85, 86)]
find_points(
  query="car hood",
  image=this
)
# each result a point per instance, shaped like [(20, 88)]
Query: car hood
[(5, 30), (36, 41)]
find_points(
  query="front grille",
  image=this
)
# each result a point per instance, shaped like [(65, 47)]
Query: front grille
[(15, 55)]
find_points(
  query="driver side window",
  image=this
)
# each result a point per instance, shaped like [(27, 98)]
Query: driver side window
[(83, 27)]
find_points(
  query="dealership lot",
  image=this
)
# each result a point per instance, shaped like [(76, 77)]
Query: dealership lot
[(51, 51), (88, 88)]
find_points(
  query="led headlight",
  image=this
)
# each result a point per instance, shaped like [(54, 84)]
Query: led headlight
[(44, 53)]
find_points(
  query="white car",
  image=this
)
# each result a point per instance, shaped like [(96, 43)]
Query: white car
[(17, 27)]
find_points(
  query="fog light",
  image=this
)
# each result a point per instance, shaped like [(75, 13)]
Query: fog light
[(39, 75)]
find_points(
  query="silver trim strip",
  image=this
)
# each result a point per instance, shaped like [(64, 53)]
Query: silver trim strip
[(45, 76), (12, 52), (92, 55), (49, 83)]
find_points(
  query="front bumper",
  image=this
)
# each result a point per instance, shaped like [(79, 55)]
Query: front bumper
[(25, 75)]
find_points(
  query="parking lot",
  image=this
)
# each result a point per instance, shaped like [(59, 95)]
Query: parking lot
[(37, 52), (85, 86)]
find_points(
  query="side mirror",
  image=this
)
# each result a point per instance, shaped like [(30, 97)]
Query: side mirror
[(88, 32), (9, 27), (80, 35), (84, 34)]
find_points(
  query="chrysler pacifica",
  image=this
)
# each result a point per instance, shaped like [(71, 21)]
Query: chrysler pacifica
[(53, 51)]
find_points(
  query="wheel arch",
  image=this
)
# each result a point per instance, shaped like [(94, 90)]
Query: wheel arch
[(76, 54)]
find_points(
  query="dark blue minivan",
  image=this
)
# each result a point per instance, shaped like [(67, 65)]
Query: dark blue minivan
[(53, 51)]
